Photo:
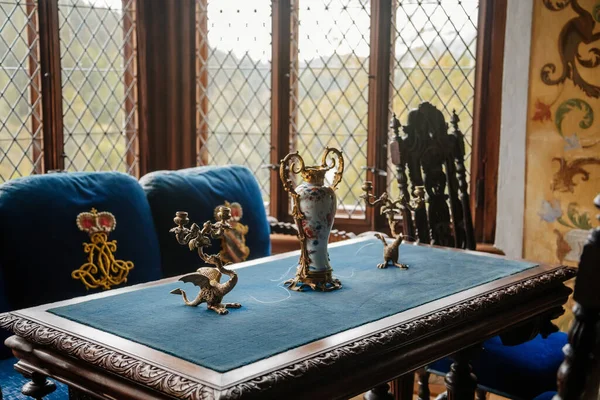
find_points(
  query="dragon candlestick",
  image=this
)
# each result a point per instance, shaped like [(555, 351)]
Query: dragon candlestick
[(208, 279), (391, 208)]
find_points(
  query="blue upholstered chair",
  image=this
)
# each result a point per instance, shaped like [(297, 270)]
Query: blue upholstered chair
[(516, 372), (40, 243), (199, 191)]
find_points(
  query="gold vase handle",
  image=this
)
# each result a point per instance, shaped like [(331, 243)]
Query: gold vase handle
[(340, 164), (291, 164)]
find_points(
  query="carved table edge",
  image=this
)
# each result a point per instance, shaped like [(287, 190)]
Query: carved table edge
[(172, 384)]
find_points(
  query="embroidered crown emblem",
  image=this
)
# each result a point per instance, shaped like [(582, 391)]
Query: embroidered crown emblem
[(233, 243), (93, 222), (101, 270)]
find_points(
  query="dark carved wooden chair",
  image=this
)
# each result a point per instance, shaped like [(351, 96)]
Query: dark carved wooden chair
[(428, 155), (579, 374), (434, 159)]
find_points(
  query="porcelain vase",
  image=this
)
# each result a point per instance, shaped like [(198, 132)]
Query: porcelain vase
[(318, 204), (314, 206)]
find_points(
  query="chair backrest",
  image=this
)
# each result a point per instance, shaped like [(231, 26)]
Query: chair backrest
[(41, 243), (199, 191), (579, 374), (434, 158)]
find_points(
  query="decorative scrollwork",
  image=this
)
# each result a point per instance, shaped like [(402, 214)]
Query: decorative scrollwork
[(576, 31), (108, 359), (292, 163), (563, 179), (556, 5), (340, 164)]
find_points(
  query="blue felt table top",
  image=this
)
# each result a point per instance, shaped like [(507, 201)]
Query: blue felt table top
[(274, 319)]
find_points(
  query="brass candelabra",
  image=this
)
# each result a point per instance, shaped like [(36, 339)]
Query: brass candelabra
[(391, 208), (208, 279)]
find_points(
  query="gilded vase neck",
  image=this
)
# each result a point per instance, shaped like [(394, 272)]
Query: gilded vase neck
[(314, 175)]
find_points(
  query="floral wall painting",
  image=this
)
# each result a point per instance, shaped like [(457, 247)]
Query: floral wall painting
[(562, 174), (569, 244), (568, 106), (564, 179), (576, 31), (575, 136)]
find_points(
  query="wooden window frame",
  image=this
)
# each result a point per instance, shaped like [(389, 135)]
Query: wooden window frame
[(52, 112), (49, 80), (284, 81), (281, 84), (167, 123), (486, 118), (131, 96), (35, 88)]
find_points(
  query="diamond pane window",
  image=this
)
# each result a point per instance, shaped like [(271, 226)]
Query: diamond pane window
[(234, 85), (20, 92), (434, 44), (330, 89), (97, 39)]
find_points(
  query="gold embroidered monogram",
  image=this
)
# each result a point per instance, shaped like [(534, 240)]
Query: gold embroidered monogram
[(102, 270), (233, 243)]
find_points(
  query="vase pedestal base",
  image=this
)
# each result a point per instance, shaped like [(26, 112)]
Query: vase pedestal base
[(317, 281)]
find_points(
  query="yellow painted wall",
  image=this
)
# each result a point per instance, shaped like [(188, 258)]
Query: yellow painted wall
[(563, 127)]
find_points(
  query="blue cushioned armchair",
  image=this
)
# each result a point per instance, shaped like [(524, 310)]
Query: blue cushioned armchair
[(199, 191), (41, 244)]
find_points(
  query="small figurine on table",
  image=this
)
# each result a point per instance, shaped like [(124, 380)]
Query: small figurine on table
[(391, 209), (208, 279)]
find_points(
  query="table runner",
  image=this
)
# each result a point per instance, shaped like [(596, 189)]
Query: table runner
[(274, 319)]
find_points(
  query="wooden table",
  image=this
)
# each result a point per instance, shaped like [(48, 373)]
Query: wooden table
[(339, 366)]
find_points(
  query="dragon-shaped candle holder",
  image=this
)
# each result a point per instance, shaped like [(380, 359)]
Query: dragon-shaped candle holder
[(208, 279), (391, 208)]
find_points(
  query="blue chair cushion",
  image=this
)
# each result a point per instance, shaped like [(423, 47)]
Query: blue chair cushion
[(12, 382), (198, 191), (40, 243), (523, 371)]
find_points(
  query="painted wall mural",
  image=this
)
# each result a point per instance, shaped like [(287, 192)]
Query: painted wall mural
[(563, 131), (578, 30)]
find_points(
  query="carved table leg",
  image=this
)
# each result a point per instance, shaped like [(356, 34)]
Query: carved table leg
[(38, 387), (460, 381), (379, 392), (423, 381), (403, 386)]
